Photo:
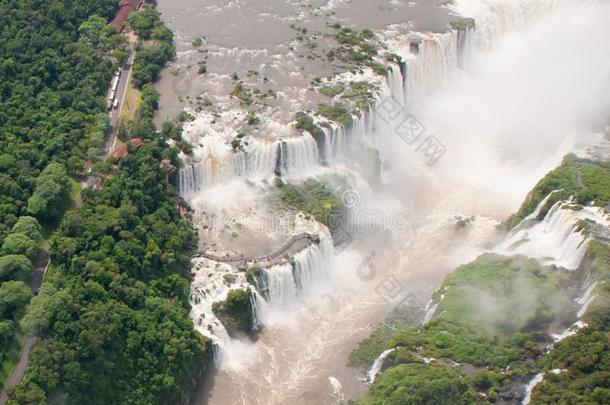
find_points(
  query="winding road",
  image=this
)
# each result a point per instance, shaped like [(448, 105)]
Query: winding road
[(42, 265)]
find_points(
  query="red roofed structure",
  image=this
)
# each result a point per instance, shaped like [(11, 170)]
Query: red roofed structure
[(125, 7), (123, 150)]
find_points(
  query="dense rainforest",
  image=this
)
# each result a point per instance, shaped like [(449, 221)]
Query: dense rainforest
[(112, 311)]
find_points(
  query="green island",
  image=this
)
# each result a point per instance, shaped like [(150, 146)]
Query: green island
[(312, 197), (235, 312)]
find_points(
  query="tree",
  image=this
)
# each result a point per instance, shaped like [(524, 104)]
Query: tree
[(15, 266), (51, 194), (14, 295), (28, 226), (19, 244), (44, 308), (96, 32)]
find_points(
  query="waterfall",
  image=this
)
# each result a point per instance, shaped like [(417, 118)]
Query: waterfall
[(530, 387), (337, 390), (209, 286), (297, 154), (430, 310), (586, 300), (287, 282), (429, 64), (215, 162), (377, 365), (494, 18), (534, 214), (428, 60), (557, 239)]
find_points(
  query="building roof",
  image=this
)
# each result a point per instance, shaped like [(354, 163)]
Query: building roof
[(123, 150), (126, 7)]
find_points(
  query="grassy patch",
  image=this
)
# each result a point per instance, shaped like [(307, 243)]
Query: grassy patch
[(420, 384), (75, 188), (368, 350), (313, 198), (336, 112), (332, 91), (242, 93), (131, 103), (305, 123), (463, 24)]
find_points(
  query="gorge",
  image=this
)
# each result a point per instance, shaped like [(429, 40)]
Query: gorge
[(428, 146)]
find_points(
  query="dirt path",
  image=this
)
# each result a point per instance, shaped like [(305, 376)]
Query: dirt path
[(42, 265)]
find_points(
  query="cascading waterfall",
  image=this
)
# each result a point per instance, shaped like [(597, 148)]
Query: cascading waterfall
[(283, 284), (494, 18), (557, 239), (275, 287), (430, 310), (584, 303), (215, 162), (530, 387), (296, 155), (419, 74), (428, 60), (429, 64), (209, 286), (377, 365), (424, 69)]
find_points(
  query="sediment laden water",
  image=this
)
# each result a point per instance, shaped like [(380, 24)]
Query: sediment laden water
[(422, 71), (275, 287), (428, 61)]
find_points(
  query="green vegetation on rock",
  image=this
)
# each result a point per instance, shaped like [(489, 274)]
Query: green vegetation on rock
[(584, 358), (336, 112), (420, 384), (313, 198), (494, 313), (332, 91), (463, 24), (306, 123), (235, 312), (587, 181), (152, 55)]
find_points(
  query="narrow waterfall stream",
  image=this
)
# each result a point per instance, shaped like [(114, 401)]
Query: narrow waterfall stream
[(314, 305)]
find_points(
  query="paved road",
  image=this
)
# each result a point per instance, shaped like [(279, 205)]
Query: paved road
[(42, 265), (121, 92), (115, 114)]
